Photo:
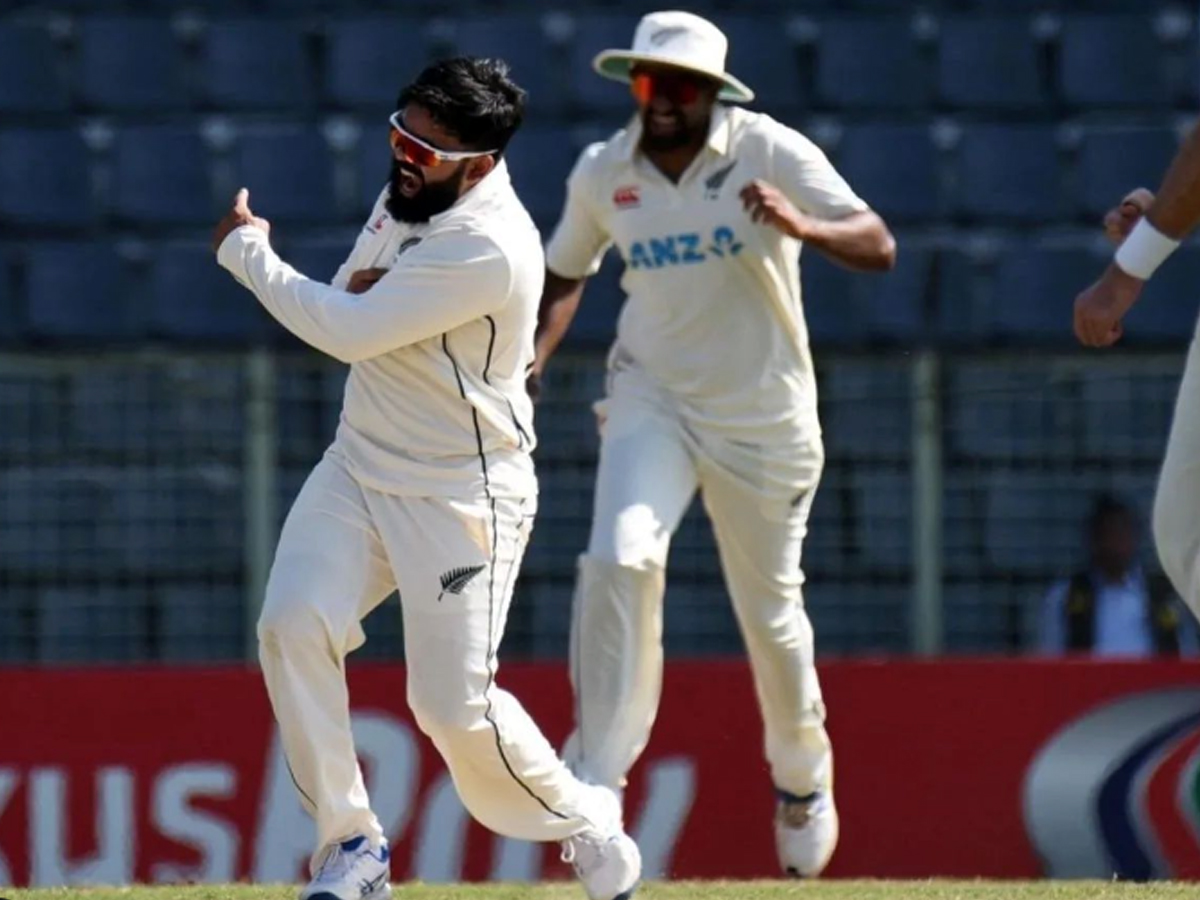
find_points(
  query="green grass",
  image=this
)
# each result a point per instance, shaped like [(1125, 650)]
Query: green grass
[(693, 890)]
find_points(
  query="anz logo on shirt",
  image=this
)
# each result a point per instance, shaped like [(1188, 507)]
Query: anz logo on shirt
[(687, 249)]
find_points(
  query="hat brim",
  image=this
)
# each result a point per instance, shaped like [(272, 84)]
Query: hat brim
[(615, 65)]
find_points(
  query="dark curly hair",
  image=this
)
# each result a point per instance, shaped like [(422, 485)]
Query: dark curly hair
[(472, 98)]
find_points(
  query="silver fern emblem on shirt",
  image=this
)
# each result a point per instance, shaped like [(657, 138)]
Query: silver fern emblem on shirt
[(456, 580)]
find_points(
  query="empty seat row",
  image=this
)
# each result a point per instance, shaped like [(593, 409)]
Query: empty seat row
[(131, 63), (1018, 294), (168, 175)]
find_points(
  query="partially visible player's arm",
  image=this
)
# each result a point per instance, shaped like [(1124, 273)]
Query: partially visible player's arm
[(574, 253), (1176, 208), (560, 300), (859, 241), (808, 199), (444, 282), (1168, 218)]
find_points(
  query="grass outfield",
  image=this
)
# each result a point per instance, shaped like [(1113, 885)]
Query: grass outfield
[(693, 890)]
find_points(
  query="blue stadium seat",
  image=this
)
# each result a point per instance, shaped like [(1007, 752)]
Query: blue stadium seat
[(539, 160), (18, 618), (996, 413), (289, 171), (1113, 61), (255, 64), (520, 40), (1035, 289), (1166, 312), (371, 59), (963, 315), (1034, 520), (1126, 407), (829, 307), (866, 409), (127, 64), (160, 176), (32, 411), (173, 521), (563, 522), (882, 515), (893, 168), (763, 56), (12, 317), (595, 32), (1009, 173), (1115, 159), (45, 178), (78, 625), (201, 622), (985, 618), (989, 63), (595, 323), (859, 617), (870, 64), (30, 77), (843, 307), (80, 292), (374, 160), (192, 299), (48, 520), (318, 257)]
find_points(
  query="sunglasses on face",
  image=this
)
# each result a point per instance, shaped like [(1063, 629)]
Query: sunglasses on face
[(407, 146), (678, 89)]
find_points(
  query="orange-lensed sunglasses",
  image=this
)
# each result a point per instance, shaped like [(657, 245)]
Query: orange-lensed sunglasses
[(407, 145), (680, 89)]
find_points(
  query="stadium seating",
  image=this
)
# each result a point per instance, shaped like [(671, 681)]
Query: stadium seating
[(1113, 61), (1115, 159), (990, 64), (31, 78), (199, 622), (870, 64), (45, 179), (160, 176), (1034, 290), (371, 59), (48, 519), (521, 41), (539, 160), (1009, 174), (249, 64), (866, 409), (594, 32), (1034, 520), (764, 57), (289, 170), (190, 298), (893, 167), (80, 291), (127, 64), (32, 414), (78, 625)]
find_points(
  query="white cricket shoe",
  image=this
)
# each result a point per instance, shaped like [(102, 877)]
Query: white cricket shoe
[(806, 833), (607, 862), (351, 870)]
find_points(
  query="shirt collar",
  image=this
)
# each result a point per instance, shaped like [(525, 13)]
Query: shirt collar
[(720, 130)]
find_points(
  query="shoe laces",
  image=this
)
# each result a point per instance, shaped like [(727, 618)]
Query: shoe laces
[(334, 865), (583, 850)]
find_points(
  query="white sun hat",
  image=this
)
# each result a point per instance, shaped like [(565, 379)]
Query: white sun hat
[(678, 39)]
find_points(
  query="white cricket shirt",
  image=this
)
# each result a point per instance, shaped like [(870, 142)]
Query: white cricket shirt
[(435, 402), (714, 314)]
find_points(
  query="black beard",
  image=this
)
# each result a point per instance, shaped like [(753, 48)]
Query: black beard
[(429, 201), (681, 137)]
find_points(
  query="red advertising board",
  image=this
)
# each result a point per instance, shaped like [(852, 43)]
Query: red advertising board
[(990, 768)]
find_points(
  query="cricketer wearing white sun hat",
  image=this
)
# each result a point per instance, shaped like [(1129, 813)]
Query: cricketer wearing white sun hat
[(678, 39)]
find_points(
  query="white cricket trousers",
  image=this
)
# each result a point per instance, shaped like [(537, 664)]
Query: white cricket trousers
[(1177, 501), (758, 497), (345, 548)]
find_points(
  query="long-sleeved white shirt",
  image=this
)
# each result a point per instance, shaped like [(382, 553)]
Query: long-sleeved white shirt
[(435, 402)]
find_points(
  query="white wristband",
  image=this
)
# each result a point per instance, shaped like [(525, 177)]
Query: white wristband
[(1144, 250)]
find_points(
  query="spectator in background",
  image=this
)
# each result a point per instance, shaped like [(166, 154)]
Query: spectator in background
[(1112, 608)]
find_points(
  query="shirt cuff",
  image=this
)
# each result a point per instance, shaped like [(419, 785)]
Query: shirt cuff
[(231, 255)]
